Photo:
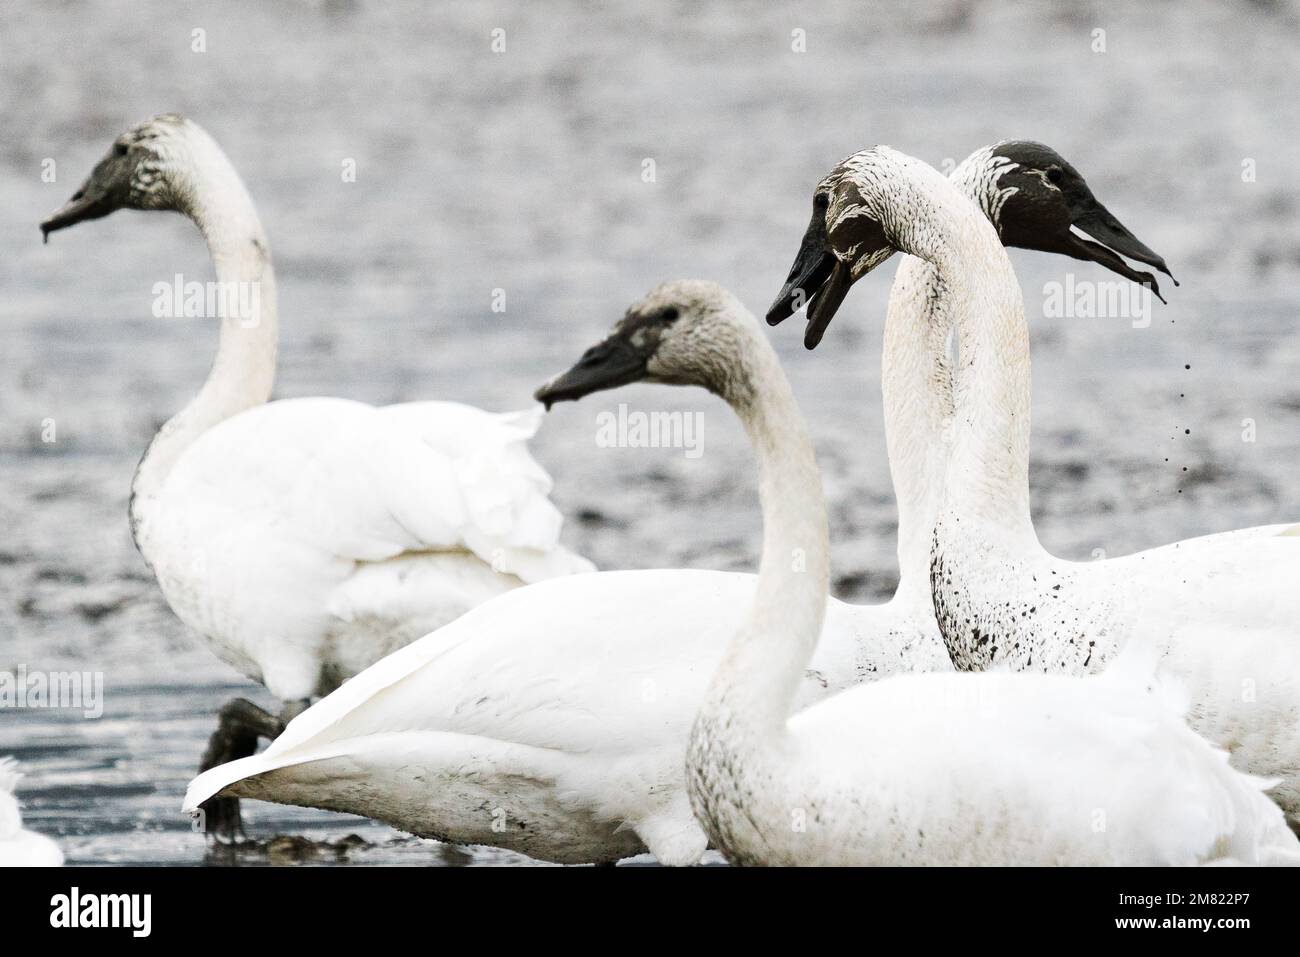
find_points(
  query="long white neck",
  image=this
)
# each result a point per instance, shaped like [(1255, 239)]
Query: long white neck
[(987, 479), (917, 386), (760, 674), (243, 371)]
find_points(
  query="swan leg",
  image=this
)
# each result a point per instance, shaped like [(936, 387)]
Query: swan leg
[(239, 724), (291, 710)]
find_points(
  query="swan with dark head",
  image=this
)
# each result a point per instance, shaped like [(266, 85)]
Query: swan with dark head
[(1220, 609)]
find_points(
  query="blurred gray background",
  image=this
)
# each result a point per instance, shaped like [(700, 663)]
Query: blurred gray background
[(521, 171)]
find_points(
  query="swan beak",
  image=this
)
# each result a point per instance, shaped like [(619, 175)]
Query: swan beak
[(86, 203), (813, 265), (827, 303), (609, 364), (1114, 237)]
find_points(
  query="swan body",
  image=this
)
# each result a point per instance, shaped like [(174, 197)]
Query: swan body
[(551, 720), (308, 538), (305, 539), (1082, 772), (1221, 609), (20, 847)]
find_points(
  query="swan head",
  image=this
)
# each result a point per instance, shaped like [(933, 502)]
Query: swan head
[(687, 332), (870, 206), (1037, 200), (147, 167)]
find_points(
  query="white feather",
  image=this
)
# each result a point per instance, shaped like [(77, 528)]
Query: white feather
[(20, 847)]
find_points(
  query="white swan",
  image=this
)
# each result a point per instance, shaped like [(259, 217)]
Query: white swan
[(1221, 609), (307, 538), (654, 655), (916, 769), (20, 847), (1029, 211)]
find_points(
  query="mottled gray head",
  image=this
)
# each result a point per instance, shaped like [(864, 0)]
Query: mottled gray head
[(686, 332), (1037, 200), (864, 211), (146, 168)]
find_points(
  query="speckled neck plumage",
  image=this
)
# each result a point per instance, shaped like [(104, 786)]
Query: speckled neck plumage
[(752, 692)]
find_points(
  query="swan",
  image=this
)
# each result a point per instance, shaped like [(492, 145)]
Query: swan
[(1221, 609), (305, 539), (20, 847), (913, 769), (1029, 212), (624, 677)]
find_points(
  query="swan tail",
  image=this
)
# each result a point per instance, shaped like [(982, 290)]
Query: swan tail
[(212, 782), (239, 778), (447, 785), (511, 522), (516, 526)]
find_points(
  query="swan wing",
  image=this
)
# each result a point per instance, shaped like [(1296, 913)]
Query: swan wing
[(370, 484), (566, 663), (506, 491), (609, 656)]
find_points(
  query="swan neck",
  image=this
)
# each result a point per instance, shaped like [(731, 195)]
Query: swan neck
[(766, 660), (916, 385), (988, 463), (242, 301)]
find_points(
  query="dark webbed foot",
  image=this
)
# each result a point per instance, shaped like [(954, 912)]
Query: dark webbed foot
[(239, 725)]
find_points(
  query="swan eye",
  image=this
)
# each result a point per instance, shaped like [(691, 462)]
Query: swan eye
[(1054, 174), (821, 201), (119, 149), (669, 314)]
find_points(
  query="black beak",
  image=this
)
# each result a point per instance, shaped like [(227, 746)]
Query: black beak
[(826, 304), (1114, 237), (606, 365), (89, 202), (813, 265), (818, 277)]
